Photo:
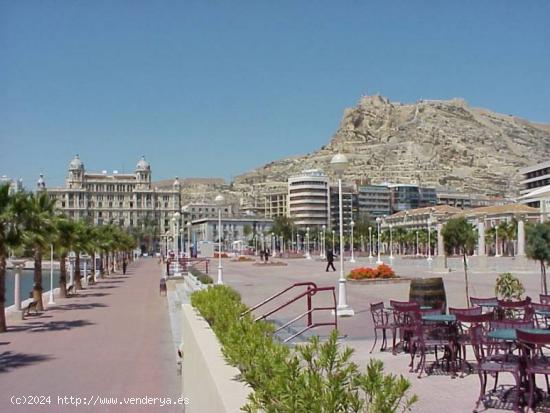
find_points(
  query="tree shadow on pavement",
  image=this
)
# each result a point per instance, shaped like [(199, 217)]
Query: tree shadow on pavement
[(105, 287), (81, 306), (10, 360), (96, 294), (38, 327)]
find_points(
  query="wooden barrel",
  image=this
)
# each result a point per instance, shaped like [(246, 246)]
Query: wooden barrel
[(429, 292)]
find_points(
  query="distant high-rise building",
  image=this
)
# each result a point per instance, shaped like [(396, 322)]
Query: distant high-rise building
[(374, 200), (407, 196), (16, 185), (350, 208), (535, 177), (308, 198)]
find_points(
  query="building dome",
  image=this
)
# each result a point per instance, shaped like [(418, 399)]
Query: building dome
[(41, 184), (143, 165), (76, 164)]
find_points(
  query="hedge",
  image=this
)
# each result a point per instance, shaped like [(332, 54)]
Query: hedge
[(316, 377)]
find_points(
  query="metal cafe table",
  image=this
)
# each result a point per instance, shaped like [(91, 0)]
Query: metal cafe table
[(451, 320), (509, 334)]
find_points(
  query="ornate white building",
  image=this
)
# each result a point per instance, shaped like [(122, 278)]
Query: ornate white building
[(127, 200)]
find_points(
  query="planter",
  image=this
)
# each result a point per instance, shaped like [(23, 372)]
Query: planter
[(271, 263), (428, 292), (375, 281)]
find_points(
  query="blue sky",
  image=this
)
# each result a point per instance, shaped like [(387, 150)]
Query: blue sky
[(215, 88)]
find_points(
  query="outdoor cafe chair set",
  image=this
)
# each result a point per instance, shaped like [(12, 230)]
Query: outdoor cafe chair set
[(397, 318), (514, 347)]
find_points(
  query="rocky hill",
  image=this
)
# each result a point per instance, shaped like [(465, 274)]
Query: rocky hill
[(433, 143)]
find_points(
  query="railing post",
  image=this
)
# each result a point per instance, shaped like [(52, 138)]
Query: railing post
[(206, 266), (309, 315)]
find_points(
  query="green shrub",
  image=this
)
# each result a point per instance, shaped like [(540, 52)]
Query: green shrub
[(509, 287), (202, 277), (315, 377)]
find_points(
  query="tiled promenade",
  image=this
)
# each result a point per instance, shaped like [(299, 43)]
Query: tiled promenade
[(111, 340)]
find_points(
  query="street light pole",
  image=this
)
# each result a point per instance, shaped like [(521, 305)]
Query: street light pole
[(379, 261), (176, 241), (219, 200), (352, 260), (417, 251), (391, 242), (370, 243), (188, 239), (323, 235), (308, 255), (429, 240), (339, 163), (51, 301)]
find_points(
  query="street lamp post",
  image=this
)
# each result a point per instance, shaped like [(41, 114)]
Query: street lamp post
[(496, 240), (188, 239), (339, 163), (323, 235), (379, 261), (370, 243), (72, 259), (417, 251), (176, 243), (219, 200), (391, 242), (429, 240), (333, 245), (308, 255), (51, 301), (352, 260)]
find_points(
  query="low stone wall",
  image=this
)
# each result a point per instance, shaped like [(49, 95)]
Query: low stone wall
[(208, 381)]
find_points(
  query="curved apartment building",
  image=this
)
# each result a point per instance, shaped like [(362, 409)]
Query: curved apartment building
[(309, 198)]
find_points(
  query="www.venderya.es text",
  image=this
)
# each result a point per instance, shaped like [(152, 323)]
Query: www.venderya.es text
[(96, 400)]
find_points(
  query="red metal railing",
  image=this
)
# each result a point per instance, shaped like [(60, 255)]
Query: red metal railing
[(312, 289), (201, 264)]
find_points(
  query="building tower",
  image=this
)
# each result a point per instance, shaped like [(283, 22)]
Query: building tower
[(75, 178), (143, 174), (40, 184)]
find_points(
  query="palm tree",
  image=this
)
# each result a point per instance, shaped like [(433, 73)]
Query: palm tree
[(39, 233), (12, 209), (83, 240), (538, 248), (459, 235), (64, 243)]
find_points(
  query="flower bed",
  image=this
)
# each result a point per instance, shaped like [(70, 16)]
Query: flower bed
[(383, 271), (224, 255), (242, 258)]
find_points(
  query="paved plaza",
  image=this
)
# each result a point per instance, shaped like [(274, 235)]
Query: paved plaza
[(437, 392), (111, 340)]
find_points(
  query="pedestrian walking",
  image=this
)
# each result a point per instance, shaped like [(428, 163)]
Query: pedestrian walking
[(124, 265), (330, 260), (266, 255)]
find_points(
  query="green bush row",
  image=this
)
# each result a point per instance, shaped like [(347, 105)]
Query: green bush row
[(202, 277), (318, 377)]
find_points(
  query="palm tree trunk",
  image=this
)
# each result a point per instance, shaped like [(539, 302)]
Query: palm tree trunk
[(3, 326), (37, 288), (466, 280), (77, 275), (63, 276)]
